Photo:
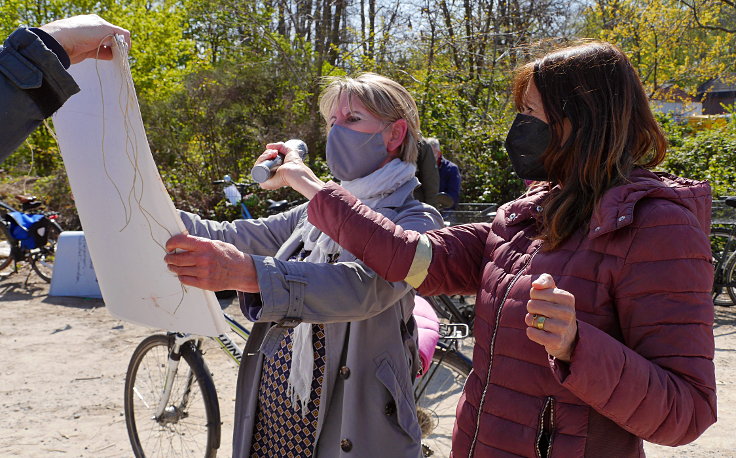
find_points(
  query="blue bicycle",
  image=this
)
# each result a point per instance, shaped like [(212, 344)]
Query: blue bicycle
[(28, 235), (240, 194)]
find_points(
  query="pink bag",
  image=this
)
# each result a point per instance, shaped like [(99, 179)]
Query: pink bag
[(428, 331)]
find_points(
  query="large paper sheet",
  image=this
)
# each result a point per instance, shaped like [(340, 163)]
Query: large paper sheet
[(126, 212)]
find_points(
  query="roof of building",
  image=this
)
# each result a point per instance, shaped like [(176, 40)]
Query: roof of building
[(670, 93), (718, 85)]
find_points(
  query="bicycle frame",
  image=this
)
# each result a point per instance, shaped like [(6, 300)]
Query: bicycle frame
[(7, 207), (227, 345), (458, 327), (172, 366)]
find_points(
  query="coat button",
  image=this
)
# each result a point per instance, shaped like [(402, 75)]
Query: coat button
[(390, 408), (346, 445), (344, 372)]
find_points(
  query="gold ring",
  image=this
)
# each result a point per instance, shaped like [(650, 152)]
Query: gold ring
[(539, 322)]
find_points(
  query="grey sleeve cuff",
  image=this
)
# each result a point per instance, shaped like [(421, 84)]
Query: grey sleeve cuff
[(282, 292)]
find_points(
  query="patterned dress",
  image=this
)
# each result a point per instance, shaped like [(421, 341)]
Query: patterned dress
[(280, 429)]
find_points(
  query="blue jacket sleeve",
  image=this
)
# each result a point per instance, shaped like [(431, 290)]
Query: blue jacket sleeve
[(33, 85), (453, 185)]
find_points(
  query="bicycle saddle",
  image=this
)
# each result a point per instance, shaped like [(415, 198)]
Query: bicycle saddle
[(28, 202), (23, 198), (277, 206)]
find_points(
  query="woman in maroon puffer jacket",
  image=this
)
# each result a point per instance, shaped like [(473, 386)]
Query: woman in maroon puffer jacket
[(594, 318)]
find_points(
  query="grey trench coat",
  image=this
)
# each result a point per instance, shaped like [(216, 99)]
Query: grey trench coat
[(367, 405)]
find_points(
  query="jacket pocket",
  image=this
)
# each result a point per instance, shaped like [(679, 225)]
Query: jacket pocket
[(546, 428), (406, 413)]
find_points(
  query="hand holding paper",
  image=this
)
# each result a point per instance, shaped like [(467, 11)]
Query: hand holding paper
[(210, 264), (85, 36)]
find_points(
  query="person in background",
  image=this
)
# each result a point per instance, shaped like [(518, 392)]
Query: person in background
[(594, 319), (329, 366), (34, 82), (449, 173), (429, 179)]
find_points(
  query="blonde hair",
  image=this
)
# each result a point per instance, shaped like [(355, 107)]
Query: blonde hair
[(383, 98)]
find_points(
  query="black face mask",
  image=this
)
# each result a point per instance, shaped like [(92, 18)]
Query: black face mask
[(527, 139)]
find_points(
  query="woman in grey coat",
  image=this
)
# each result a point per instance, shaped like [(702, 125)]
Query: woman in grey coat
[(329, 366)]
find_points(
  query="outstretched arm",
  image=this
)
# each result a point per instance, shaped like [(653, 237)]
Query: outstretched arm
[(33, 78), (455, 254)]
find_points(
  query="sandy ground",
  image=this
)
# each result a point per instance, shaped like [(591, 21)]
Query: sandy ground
[(63, 363)]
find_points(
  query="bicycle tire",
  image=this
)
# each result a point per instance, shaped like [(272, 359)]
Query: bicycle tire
[(723, 242), (730, 278), (42, 260), (436, 394), (191, 425), (6, 246)]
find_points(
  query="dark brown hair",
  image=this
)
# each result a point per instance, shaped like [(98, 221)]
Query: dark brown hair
[(594, 87)]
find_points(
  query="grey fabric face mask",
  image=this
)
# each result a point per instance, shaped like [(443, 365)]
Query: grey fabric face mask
[(351, 154)]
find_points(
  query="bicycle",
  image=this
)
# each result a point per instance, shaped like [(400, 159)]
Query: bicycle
[(438, 390), (238, 194), (174, 411), (450, 366), (37, 247), (723, 245), (176, 407)]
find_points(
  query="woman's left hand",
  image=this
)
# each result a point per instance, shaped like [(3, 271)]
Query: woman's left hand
[(551, 318)]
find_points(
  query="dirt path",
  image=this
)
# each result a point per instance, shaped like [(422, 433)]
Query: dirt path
[(63, 370), (63, 373)]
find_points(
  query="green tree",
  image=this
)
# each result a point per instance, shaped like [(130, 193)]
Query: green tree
[(663, 40)]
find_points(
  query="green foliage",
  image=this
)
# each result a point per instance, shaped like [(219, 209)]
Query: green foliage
[(218, 79), (664, 40), (471, 130), (219, 124), (706, 155)]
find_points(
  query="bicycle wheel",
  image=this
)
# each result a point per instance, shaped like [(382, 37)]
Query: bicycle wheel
[(723, 244), (190, 425), (729, 278), (437, 393), (6, 246), (42, 258)]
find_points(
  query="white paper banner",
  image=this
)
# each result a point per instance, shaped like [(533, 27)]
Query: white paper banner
[(126, 212)]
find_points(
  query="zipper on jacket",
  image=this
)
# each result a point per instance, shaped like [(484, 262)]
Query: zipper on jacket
[(546, 427), (493, 344)]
